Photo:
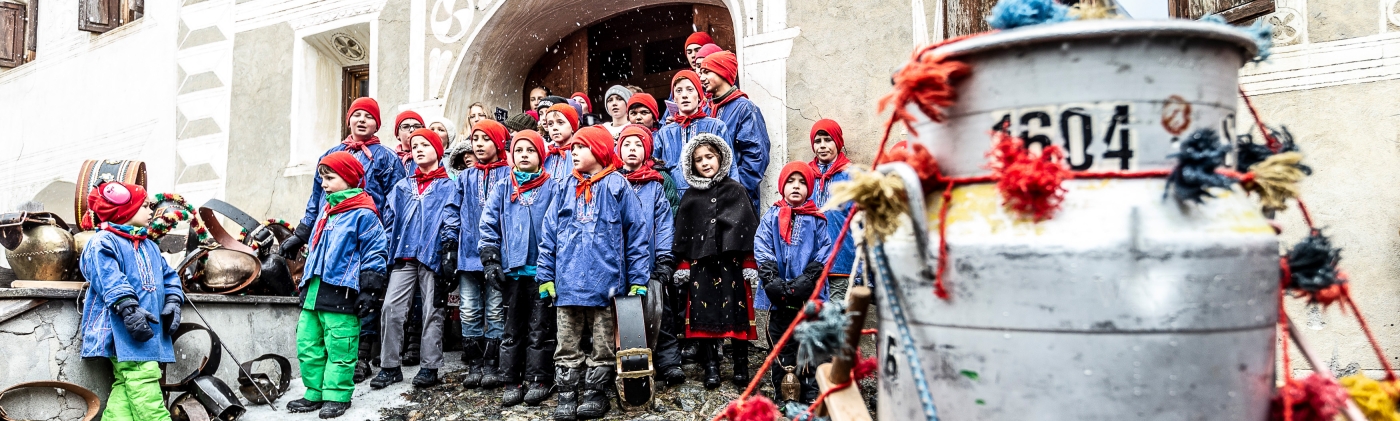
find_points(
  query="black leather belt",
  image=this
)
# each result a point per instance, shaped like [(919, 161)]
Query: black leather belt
[(634, 362)]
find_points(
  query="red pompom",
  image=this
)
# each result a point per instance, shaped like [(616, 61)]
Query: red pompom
[(918, 157), (1314, 398), (865, 368), (1030, 185), (757, 408), (927, 82)]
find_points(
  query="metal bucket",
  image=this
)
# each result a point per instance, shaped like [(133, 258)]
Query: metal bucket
[(1124, 305)]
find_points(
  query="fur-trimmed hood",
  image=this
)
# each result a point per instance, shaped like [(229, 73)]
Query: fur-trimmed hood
[(452, 159), (726, 160)]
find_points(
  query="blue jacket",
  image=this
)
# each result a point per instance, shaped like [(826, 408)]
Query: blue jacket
[(835, 219), (749, 140), (114, 269), (380, 175), (669, 144), (810, 243), (416, 223), (475, 187), (559, 166), (516, 227), (593, 251), (652, 196), (351, 242)]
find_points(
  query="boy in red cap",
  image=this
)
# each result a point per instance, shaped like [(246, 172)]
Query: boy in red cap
[(422, 223), (742, 119), (596, 245), (560, 121), (382, 169), (404, 125), (130, 283), (829, 166), (693, 44), (791, 248), (511, 225), (641, 110), (342, 283), (688, 92), (481, 313)]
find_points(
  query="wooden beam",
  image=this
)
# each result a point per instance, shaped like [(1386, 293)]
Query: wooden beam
[(1244, 13), (842, 405)]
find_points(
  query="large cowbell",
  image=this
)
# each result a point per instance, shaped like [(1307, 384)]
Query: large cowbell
[(1124, 305)]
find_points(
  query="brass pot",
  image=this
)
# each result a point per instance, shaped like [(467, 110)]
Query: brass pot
[(46, 254), (80, 241)]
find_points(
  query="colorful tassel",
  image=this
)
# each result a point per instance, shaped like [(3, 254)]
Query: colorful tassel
[(1008, 14), (1091, 10), (881, 198), (917, 157), (797, 411), (1312, 269), (757, 408), (1030, 185), (1250, 153), (1314, 398), (927, 82), (865, 368), (1200, 154), (1262, 34), (1374, 398), (823, 336), (1275, 180)]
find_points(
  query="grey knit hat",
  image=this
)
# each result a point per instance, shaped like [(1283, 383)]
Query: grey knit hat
[(618, 90), (520, 122)]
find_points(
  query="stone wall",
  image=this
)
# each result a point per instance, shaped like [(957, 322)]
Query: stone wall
[(260, 129)]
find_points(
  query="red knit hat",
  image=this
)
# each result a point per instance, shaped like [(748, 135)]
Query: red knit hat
[(796, 167), (598, 141), (708, 49), (495, 131), (687, 74), (405, 116), (640, 131), (725, 63), (533, 137), (364, 103), (116, 202), (346, 166), (698, 38), (432, 137), (832, 129), (645, 100), (586, 101), (569, 114)]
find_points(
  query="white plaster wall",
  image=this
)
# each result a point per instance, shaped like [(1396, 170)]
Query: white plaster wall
[(87, 96)]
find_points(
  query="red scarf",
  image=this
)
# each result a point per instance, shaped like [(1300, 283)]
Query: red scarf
[(529, 185), (837, 165), (585, 184), (424, 179), (685, 120), (353, 145), (644, 174), (135, 238), (785, 215), (486, 169), (556, 150), (733, 94), (359, 201), (405, 155)]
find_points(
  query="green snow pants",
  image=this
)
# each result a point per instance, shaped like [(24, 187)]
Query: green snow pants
[(326, 346), (135, 393)]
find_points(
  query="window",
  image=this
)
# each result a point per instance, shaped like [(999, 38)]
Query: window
[(1236, 12), (663, 56), (355, 84), (18, 34), (104, 15)]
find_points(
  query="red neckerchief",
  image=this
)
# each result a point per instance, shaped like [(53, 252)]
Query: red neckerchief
[(353, 145), (136, 239), (685, 120), (556, 150), (837, 165), (359, 201), (405, 155), (486, 169), (644, 174), (785, 214), (733, 94), (585, 184), (424, 179), (529, 185)]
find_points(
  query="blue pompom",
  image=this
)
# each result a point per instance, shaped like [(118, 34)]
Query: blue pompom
[(797, 411), (1262, 34), (1009, 14), (822, 337), (1200, 154)]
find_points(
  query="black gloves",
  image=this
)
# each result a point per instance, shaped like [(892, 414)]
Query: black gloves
[(137, 320), (291, 247), (170, 315), (801, 287), (774, 286), (663, 272), (491, 268), (447, 259), (372, 285), (789, 293)]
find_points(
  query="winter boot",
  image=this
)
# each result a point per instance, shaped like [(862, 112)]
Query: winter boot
[(810, 389), (362, 367), (690, 351), (537, 390), (673, 376), (490, 373), (411, 354), (427, 377), (334, 409), (303, 405), (567, 380), (711, 358), (474, 350), (739, 354), (386, 377), (594, 403), (514, 394)]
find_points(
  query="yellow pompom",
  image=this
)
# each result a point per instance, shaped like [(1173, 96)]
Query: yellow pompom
[(1276, 180), (881, 198), (1373, 397), (1092, 9)]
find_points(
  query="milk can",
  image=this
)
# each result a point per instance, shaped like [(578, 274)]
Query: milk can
[(1123, 305)]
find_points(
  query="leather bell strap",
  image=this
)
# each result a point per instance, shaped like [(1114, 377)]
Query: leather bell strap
[(94, 405), (249, 386), (222, 240), (634, 357), (206, 367)]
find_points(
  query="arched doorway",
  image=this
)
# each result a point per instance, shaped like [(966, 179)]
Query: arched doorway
[(642, 48)]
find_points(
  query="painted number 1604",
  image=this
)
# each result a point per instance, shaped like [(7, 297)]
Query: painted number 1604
[(1093, 136)]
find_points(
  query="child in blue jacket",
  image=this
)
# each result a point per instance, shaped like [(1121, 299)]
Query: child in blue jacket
[(596, 245), (829, 166), (422, 221), (511, 225), (559, 121), (743, 120), (130, 284), (343, 280), (482, 318), (791, 248), (672, 138)]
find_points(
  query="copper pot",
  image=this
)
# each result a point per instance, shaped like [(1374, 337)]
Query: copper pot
[(45, 250)]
